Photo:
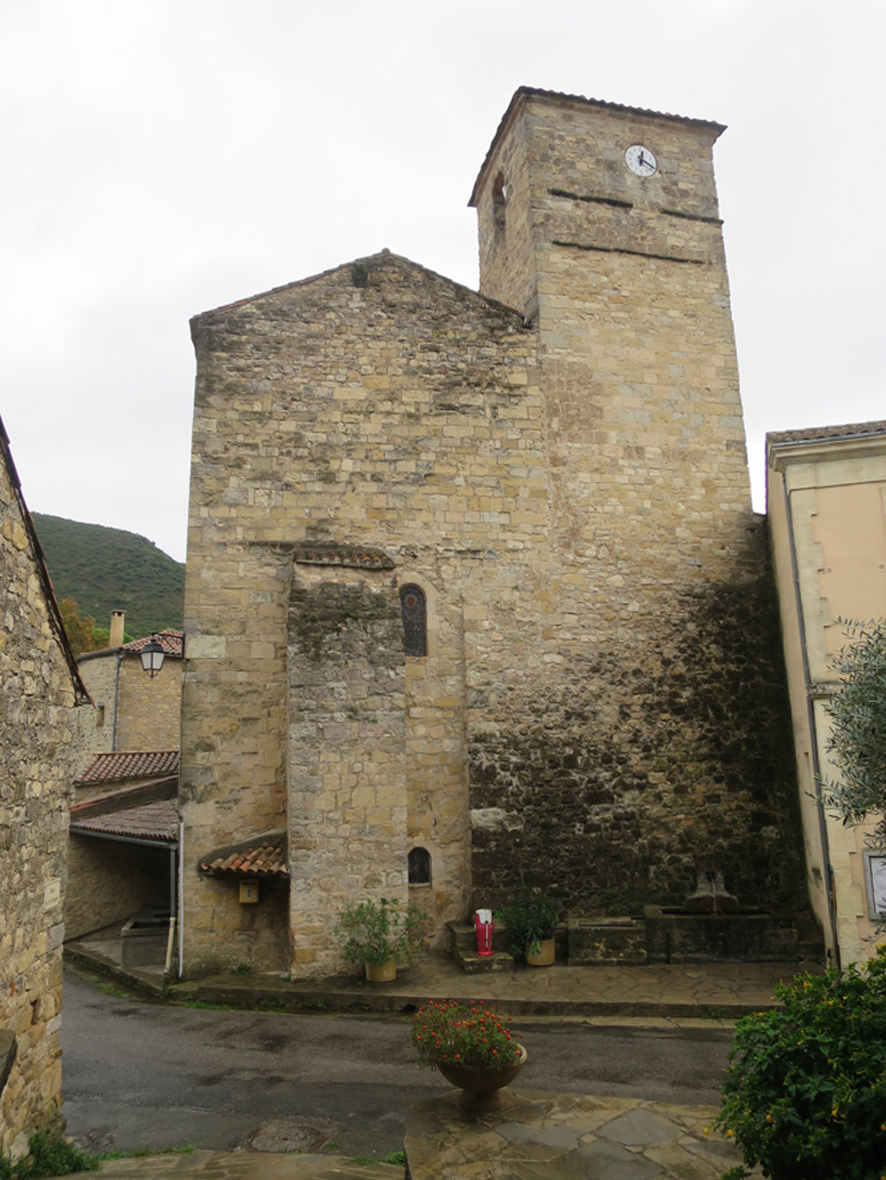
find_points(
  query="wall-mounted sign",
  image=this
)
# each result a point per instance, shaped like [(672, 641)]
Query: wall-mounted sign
[(875, 880)]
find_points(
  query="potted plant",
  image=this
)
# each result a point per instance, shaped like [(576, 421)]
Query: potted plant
[(380, 935), (472, 1048), (531, 919)]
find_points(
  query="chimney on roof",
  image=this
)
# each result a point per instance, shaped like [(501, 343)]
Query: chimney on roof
[(116, 639)]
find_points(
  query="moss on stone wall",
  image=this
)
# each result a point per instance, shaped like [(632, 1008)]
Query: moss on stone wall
[(321, 613), (648, 757)]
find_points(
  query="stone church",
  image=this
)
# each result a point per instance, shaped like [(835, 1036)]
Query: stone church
[(475, 594)]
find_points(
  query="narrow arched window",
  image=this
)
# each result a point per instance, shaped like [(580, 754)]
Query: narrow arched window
[(419, 867), (499, 201), (415, 620)]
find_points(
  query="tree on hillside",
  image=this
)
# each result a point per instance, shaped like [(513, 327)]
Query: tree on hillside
[(82, 633), (858, 736)]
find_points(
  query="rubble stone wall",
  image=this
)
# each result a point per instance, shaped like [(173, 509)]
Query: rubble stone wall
[(657, 730), (112, 880), (347, 753), (37, 695)]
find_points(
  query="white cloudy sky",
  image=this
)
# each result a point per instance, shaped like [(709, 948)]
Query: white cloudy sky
[(162, 157)]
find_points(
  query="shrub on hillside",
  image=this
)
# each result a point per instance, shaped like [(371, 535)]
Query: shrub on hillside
[(805, 1091)]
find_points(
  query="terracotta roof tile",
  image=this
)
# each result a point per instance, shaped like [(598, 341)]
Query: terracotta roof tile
[(813, 433), (262, 856), (152, 821), (171, 641), (351, 556), (129, 764)]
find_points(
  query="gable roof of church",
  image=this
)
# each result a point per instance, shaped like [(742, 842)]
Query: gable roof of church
[(524, 92), (370, 262)]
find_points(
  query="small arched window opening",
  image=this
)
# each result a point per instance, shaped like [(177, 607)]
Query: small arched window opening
[(499, 201), (419, 867), (415, 620)]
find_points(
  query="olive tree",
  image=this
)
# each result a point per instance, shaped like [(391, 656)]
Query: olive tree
[(858, 735)]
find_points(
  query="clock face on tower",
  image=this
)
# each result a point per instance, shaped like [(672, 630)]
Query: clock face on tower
[(641, 160)]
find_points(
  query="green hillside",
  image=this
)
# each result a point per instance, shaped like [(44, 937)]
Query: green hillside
[(111, 569)]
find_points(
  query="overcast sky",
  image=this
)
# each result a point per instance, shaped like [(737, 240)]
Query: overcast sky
[(163, 157)]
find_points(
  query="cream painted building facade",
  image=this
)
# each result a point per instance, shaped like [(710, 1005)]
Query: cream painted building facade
[(827, 510)]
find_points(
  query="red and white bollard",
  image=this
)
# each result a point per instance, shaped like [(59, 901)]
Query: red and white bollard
[(483, 927)]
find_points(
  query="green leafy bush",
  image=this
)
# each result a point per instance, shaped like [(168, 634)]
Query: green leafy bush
[(48, 1155), (376, 933), (531, 919), (805, 1091)]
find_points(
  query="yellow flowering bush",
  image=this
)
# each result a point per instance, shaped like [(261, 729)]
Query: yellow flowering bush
[(805, 1091)]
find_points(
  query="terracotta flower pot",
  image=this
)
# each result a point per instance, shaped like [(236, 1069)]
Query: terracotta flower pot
[(480, 1085), (384, 973), (545, 955)]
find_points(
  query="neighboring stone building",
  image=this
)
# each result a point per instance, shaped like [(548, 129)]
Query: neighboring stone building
[(474, 588), (40, 684), (827, 507), (132, 711), (124, 820)]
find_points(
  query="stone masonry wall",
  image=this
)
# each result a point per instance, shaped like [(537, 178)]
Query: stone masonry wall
[(37, 694), (649, 728), (376, 405), (148, 711), (347, 752), (115, 879), (600, 699)]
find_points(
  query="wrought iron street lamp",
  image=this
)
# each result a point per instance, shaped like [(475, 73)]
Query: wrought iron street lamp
[(152, 656)]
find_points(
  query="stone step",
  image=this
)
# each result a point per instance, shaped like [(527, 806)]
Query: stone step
[(487, 965)]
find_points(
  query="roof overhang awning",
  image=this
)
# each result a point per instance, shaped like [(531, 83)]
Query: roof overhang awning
[(264, 856)]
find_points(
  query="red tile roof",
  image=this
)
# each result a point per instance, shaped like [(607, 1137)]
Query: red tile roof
[(152, 821), (351, 556), (262, 856), (171, 641), (129, 764)]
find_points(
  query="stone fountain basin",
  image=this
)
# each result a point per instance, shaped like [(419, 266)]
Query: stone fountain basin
[(753, 936)]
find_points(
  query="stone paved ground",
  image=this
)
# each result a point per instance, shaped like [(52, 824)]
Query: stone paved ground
[(724, 989), (539, 1136), (245, 1165)]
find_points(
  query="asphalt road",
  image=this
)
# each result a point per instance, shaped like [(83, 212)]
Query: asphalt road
[(139, 1074)]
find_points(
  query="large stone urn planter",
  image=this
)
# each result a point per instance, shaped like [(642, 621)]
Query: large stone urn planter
[(480, 1086)]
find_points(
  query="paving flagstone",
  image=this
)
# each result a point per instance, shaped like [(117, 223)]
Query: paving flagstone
[(565, 1137), (244, 1165)]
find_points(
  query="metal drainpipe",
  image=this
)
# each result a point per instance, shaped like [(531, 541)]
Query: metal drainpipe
[(810, 715), (116, 698), (181, 899)]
